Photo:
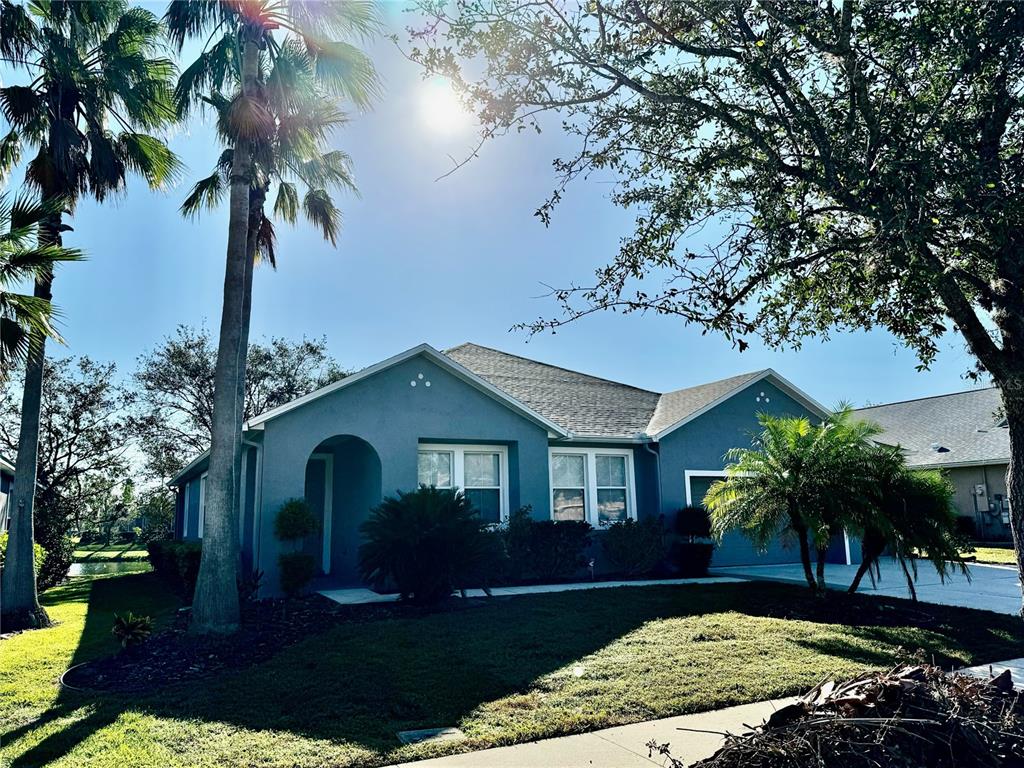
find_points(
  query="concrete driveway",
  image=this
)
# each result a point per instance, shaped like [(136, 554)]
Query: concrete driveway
[(991, 587)]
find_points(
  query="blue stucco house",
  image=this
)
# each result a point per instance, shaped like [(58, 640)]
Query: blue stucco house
[(508, 430), (6, 481)]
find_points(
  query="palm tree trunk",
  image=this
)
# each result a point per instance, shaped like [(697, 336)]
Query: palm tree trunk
[(872, 545), (805, 550), (215, 605), (20, 597), (256, 199)]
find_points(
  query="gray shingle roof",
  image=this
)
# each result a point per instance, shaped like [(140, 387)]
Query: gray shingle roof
[(677, 405), (965, 424), (585, 405), (588, 406)]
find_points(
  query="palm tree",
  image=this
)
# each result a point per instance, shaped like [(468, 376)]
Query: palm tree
[(97, 83), (798, 477), (262, 53), (907, 513), (22, 260)]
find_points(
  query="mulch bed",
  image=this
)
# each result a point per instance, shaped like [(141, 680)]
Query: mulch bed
[(173, 655)]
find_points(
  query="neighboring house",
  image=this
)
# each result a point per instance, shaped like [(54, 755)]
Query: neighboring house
[(965, 435), (509, 431), (6, 481)]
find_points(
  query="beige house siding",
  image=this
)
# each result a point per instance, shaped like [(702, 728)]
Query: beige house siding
[(993, 478)]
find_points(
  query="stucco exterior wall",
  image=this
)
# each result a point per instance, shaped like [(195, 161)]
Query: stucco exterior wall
[(701, 445), (993, 478), (394, 417)]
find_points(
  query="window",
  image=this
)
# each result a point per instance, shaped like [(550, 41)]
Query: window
[(481, 471), (568, 486), (202, 503), (611, 489), (592, 484)]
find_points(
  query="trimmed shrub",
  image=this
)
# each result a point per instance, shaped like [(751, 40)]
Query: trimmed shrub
[(295, 520), (177, 562), (691, 560), (693, 523), (545, 550), (297, 570), (38, 553), (426, 544), (634, 548)]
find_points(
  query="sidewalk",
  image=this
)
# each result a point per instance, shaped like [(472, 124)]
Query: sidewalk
[(363, 596), (621, 747), (626, 746)]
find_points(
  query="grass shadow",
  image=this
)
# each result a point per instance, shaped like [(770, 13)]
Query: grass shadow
[(508, 667)]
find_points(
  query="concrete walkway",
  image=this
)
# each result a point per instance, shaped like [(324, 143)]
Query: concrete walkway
[(1016, 667), (691, 737), (621, 747), (363, 596), (991, 587)]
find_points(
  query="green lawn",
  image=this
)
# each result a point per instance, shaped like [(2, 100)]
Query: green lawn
[(94, 553), (510, 670), (996, 555)]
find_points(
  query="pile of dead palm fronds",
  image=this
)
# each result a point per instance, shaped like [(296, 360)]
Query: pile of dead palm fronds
[(912, 716)]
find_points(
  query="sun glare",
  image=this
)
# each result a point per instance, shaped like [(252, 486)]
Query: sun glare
[(440, 109)]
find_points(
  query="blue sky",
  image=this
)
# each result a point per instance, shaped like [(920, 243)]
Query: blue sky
[(436, 261)]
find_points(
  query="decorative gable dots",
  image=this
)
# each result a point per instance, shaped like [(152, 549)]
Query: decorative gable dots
[(762, 396), (419, 378)]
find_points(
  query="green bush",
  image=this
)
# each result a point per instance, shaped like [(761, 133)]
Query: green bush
[(691, 559), (38, 553), (693, 523), (177, 562), (545, 550), (634, 548), (295, 521), (296, 571), (428, 543), (59, 555), (130, 629)]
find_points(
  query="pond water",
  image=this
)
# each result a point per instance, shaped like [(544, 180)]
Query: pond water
[(100, 567)]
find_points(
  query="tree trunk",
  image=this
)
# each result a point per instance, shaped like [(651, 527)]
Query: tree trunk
[(1013, 404), (872, 547), (215, 605), (820, 571), (257, 197), (20, 597), (805, 551)]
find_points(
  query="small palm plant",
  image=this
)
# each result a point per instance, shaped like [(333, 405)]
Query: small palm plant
[(802, 478), (22, 260), (130, 629), (907, 513)]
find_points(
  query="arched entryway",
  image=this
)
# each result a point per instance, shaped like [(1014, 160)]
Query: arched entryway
[(343, 483)]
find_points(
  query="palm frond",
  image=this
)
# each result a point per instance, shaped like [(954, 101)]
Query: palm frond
[(193, 18), (266, 243), (346, 71), (150, 157), (206, 193), (10, 153), (286, 204), (17, 31), (317, 19), (323, 214), (213, 70)]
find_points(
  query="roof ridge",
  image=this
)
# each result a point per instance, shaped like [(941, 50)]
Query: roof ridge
[(551, 365), (748, 375), (927, 397)]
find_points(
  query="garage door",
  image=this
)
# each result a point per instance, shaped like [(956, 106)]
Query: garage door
[(735, 548)]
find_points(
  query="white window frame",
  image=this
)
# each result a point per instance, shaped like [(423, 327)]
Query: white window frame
[(202, 501), (590, 478), (458, 453)]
